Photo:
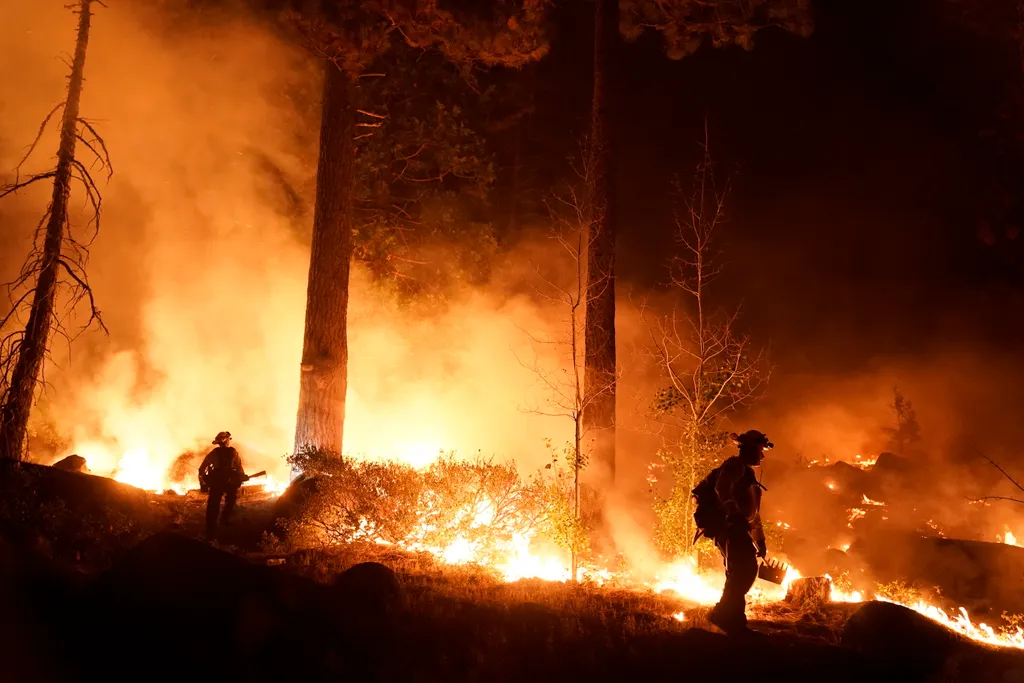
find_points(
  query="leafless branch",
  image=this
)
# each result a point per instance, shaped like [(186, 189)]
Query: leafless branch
[(1003, 472), (14, 187), (39, 135)]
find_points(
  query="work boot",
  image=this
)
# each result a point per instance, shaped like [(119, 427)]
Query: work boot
[(729, 621)]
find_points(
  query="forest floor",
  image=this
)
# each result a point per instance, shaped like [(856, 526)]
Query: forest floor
[(455, 623)]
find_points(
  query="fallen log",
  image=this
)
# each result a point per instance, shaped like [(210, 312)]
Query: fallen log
[(985, 578)]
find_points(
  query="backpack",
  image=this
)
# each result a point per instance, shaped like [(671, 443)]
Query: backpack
[(708, 515)]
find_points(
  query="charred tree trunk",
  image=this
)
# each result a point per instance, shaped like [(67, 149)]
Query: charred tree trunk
[(324, 377), (32, 349), (600, 377)]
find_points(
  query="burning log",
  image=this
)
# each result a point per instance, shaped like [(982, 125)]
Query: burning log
[(811, 592)]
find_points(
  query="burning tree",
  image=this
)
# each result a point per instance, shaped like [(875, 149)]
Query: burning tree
[(710, 368), (906, 429), (684, 25), (57, 260), (348, 36)]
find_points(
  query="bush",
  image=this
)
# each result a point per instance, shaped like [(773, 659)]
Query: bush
[(463, 510)]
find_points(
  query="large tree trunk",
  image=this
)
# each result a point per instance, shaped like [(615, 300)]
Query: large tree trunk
[(600, 377), (324, 377), (32, 350)]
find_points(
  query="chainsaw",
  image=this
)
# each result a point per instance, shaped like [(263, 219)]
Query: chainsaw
[(204, 485), (772, 572)]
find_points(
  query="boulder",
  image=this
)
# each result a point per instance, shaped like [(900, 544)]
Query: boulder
[(72, 463), (911, 647), (290, 504), (369, 588), (810, 593), (218, 613), (908, 645)]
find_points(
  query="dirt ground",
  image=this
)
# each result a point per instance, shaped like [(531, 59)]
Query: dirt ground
[(455, 623)]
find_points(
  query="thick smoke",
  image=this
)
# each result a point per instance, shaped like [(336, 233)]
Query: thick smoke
[(200, 267), (200, 271)]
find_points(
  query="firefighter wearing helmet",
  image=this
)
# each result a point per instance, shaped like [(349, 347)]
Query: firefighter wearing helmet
[(221, 475), (742, 539)]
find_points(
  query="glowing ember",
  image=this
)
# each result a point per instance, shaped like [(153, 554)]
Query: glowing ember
[(868, 501), (934, 527), (855, 514), (831, 486), (679, 616)]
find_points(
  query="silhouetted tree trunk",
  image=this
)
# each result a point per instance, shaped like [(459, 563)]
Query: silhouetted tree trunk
[(599, 417), (33, 345), (324, 377)]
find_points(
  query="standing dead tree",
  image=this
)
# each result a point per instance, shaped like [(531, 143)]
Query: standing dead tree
[(571, 390), (709, 367), (57, 260)]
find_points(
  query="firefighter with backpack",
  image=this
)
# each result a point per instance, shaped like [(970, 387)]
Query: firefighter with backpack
[(728, 512)]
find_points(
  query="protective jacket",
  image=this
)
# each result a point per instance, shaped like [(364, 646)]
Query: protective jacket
[(222, 468), (740, 495)]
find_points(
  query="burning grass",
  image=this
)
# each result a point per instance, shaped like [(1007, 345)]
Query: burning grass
[(462, 512)]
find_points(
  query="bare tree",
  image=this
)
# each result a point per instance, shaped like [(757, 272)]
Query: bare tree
[(57, 257), (709, 367), (684, 25), (571, 390)]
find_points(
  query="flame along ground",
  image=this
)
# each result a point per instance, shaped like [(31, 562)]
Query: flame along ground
[(522, 561)]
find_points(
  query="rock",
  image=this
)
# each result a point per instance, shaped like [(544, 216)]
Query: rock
[(810, 592), (912, 647), (851, 481), (72, 463), (836, 561), (369, 588), (290, 504), (220, 614), (908, 645), (890, 462)]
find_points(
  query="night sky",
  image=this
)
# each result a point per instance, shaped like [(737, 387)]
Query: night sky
[(854, 221)]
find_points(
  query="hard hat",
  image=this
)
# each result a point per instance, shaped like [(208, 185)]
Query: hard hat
[(752, 438)]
